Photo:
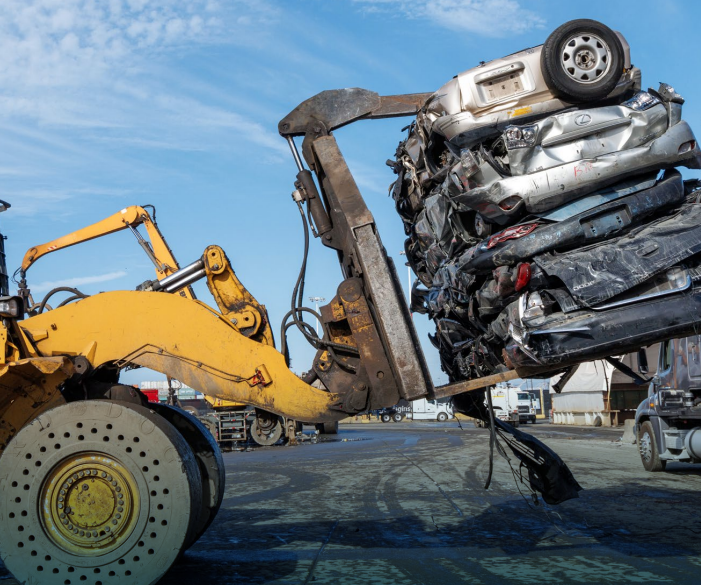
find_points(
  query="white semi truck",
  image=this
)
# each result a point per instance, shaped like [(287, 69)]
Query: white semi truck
[(512, 405), (418, 410)]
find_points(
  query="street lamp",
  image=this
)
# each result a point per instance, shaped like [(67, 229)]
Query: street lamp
[(316, 301), (408, 271)]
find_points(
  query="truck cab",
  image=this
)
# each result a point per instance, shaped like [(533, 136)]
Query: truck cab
[(424, 409), (668, 421), (526, 404), (505, 404)]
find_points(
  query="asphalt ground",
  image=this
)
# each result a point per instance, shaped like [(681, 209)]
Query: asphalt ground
[(404, 504)]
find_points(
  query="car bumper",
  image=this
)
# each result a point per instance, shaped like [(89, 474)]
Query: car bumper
[(560, 340)]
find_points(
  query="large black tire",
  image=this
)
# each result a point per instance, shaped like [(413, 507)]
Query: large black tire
[(582, 61), (397, 417), (385, 418), (442, 417), (97, 490), (209, 459), (268, 431), (647, 445), (328, 428)]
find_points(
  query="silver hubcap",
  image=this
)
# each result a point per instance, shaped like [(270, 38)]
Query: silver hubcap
[(646, 447), (586, 58)]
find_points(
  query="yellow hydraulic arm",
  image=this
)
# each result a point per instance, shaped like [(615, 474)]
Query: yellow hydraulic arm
[(128, 218), (234, 301), (184, 339)]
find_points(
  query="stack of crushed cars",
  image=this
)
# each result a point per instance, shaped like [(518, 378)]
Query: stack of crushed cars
[(547, 222)]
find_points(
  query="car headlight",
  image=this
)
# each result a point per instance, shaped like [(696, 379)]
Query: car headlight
[(520, 136), (11, 307), (470, 162), (641, 101)]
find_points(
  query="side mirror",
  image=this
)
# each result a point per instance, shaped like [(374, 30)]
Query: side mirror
[(642, 361)]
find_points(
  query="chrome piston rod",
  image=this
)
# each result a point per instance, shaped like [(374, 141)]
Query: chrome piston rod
[(196, 266), (186, 280)]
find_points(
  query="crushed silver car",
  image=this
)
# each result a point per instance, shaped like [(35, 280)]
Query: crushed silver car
[(562, 157), (581, 62)]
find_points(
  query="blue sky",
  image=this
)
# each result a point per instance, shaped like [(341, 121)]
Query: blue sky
[(110, 103)]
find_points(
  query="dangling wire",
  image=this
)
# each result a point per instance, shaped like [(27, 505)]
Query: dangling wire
[(297, 309), (492, 438)]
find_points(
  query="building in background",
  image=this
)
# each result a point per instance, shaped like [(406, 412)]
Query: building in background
[(600, 395)]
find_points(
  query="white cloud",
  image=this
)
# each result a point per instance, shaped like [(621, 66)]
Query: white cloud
[(493, 18), (63, 44), (77, 281), (95, 65), (30, 203)]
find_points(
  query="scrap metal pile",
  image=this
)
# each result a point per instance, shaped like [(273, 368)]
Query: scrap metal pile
[(547, 222)]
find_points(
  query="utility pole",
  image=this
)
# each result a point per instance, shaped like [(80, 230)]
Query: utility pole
[(316, 301)]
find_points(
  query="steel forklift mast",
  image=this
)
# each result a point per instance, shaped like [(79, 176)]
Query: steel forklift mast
[(369, 300)]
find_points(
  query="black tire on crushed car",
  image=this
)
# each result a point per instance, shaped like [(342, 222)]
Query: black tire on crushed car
[(582, 60)]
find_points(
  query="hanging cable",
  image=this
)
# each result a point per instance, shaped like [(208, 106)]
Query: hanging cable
[(492, 438), (297, 309)]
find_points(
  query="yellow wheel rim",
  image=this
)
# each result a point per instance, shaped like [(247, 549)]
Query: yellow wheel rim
[(89, 504)]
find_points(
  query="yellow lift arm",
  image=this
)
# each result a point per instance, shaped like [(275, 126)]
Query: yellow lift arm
[(184, 339), (128, 218), (232, 298)]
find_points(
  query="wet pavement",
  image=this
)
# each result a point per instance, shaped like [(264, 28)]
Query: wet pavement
[(404, 504)]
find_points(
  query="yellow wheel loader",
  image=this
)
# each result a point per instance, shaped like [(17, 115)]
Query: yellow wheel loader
[(96, 484)]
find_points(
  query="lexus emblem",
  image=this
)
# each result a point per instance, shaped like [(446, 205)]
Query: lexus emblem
[(582, 119)]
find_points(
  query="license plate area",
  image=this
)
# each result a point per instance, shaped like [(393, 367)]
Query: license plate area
[(502, 87), (503, 82), (605, 224)]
